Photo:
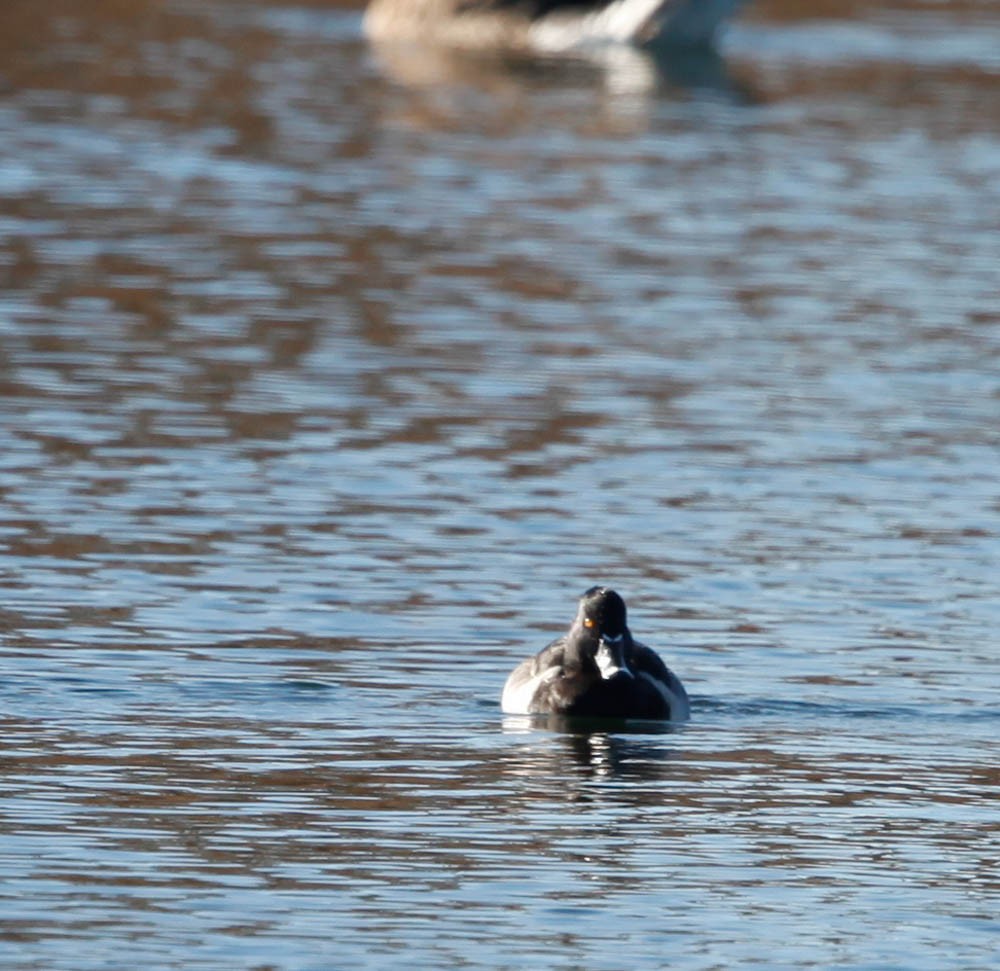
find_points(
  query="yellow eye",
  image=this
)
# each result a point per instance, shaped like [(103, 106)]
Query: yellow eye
[(587, 622)]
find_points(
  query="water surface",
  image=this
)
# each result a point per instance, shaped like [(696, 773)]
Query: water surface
[(331, 376)]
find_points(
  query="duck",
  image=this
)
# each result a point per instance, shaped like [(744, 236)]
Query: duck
[(546, 25), (597, 669)]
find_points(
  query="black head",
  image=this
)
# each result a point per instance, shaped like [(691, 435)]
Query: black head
[(602, 611), (599, 635)]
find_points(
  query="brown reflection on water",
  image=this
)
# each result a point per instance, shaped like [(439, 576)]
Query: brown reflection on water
[(165, 61), (227, 799), (323, 394)]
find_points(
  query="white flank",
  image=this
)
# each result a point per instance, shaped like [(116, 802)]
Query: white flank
[(516, 698)]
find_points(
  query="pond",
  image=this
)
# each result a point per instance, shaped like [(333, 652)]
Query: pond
[(331, 377)]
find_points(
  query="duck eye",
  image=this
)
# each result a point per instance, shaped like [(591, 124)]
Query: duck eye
[(588, 622)]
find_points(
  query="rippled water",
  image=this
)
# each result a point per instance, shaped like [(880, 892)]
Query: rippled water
[(330, 377)]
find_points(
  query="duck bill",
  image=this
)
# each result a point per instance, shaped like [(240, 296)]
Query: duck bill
[(610, 657)]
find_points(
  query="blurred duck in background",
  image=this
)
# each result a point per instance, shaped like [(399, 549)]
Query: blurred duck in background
[(548, 25)]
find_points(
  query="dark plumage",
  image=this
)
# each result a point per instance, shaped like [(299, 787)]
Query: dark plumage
[(533, 9), (596, 669)]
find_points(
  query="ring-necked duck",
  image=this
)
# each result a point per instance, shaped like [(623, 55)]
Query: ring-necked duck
[(547, 25), (596, 669)]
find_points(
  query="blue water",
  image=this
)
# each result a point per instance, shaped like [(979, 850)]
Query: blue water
[(331, 376)]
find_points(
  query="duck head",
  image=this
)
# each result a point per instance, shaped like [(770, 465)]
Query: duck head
[(601, 633)]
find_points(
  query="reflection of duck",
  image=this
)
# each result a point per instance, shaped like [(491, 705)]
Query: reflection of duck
[(547, 25), (445, 76), (640, 752), (596, 670), (621, 756)]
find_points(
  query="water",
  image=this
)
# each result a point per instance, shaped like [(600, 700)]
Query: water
[(331, 377)]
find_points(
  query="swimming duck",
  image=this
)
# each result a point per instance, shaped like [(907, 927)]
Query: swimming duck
[(596, 669), (546, 25)]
